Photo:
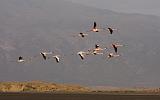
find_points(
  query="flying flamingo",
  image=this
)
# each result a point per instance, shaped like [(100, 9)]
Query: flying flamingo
[(44, 54), (20, 59), (115, 46), (111, 55)]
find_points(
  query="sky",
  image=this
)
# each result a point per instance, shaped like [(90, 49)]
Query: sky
[(127, 6)]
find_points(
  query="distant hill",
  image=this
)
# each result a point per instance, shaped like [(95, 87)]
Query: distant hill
[(133, 91), (28, 27), (45, 87), (38, 86)]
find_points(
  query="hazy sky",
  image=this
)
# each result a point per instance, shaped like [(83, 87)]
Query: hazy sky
[(129, 6)]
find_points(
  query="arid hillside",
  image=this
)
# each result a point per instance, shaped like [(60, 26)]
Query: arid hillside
[(37, 86), (125, 90), (45, 87)]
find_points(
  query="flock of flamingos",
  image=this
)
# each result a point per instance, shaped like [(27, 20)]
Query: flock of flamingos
[(97, 50)]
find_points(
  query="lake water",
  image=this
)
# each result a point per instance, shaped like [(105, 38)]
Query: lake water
[(52, 96)]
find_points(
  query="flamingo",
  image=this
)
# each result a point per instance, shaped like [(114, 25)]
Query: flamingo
[(115, 46), (111, 30), (82, 54), (20, 59), (111, 55), (57, 58), (44, 54), (95, 29), (82, 35), (97, 50)]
